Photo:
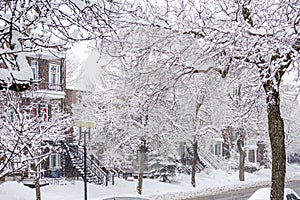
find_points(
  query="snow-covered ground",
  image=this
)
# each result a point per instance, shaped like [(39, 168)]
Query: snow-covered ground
[(208, 182)]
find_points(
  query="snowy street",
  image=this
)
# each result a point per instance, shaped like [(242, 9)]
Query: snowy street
[(243, 194)]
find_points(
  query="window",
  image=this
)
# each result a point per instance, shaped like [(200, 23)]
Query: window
[(43, 111), (218, 149), (54, 77), (15, 164), (11, 116), (234, 136), (55, 161), (35, 68), (55, 109), (251, 156)]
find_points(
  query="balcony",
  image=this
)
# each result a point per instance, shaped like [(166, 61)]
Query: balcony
[(50, 86), (48, 90)]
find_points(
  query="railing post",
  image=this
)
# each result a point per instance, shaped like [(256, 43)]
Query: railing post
[(85, 177), (91, 165), (106, 179)]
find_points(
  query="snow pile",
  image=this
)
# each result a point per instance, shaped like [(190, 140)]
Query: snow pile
[(15, 191)]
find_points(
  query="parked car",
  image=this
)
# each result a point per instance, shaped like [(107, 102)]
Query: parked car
[(264, 194), (126, 198)]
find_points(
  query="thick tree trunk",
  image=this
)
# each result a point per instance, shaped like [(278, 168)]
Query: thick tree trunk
[(240, 144), (141, 170), (277, 139), (275, 127), (194, 162)]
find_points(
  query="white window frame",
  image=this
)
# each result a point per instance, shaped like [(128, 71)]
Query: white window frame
[(54, 81), (55, 161), (217, 149), (11, 115), (35, 68)]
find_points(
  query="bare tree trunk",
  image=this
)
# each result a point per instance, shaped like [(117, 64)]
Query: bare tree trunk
[(141, 170), (37, 189), (194, 162), (37, 183), (240, 144), (277, 139)]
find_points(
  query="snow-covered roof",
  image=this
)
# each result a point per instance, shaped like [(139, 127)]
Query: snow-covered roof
[(17, 80), (48, 94), (47, 54)]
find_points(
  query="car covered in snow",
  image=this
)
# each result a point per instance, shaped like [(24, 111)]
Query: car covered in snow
[(125, 198), (264, 194)]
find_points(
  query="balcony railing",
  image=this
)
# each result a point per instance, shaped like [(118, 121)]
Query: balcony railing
[(48, 86)]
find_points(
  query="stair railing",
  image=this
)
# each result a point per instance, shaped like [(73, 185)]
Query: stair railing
[(95, 173), (200, 163), (212, 160)]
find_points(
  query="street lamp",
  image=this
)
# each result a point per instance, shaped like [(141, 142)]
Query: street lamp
[(88, 125)]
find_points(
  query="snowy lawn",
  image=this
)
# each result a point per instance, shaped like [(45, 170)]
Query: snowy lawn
[(208, 181)]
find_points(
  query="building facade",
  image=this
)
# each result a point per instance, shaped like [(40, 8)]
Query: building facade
[(45, 98), (48, 97)]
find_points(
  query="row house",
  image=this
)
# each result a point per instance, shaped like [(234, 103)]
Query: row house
[(50, 97), (49, 70), (216, 146), (46, 96), (255, 149)]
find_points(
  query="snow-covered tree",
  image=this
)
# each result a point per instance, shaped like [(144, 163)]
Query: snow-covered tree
[(247, 111), (30, 27), (25, 136), (246, 102), (290, 114), (241, 35), (33, 26), (157, 82), (74, 62), (129, 120)]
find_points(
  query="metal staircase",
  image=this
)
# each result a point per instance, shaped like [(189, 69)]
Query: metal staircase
[(181, 168), (75, 155), (206, 160), (200, 165), (211, 160)]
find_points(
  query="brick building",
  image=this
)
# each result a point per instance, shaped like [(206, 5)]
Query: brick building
[(46, 97)]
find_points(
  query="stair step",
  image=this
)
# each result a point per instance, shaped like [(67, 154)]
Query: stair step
[(77, 163), (77, 160)]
